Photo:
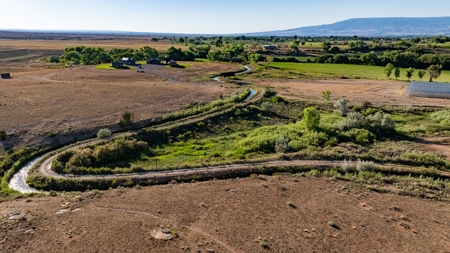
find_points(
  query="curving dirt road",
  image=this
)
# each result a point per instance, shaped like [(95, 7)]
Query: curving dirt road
[(18, 181)]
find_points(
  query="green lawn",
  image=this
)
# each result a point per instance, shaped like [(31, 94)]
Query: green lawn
[(107, 66), (362, 71)]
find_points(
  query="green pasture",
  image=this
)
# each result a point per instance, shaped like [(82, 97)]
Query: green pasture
[(354, 71), (108, 66)]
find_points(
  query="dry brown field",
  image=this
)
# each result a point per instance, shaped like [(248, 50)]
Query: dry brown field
[(134, 43), (42, 99), (355, 91), (236, 215)]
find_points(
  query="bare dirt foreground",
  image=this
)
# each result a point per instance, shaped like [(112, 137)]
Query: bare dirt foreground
[(355, 91), (260, 214), (40, 101)]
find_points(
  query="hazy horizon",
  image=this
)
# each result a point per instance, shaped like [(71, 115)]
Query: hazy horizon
[(199, 17)]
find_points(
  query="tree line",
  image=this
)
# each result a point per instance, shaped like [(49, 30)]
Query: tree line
[(397, 58), (92, 56)]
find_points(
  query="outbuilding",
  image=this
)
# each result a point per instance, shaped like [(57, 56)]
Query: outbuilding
[(5, 76), (153, 61), (171, 62), (129, 61), (269, 48), (117, 64)]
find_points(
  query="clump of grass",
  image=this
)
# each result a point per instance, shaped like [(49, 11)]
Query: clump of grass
[(363, 166), (347, 165)]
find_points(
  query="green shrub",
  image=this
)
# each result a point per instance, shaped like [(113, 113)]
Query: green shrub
[(126, 119), (103, 133), (442, 117), (54, 59), (281, 145), (409, 109), (57, 166), (326, 94), (82, 157), (309, 139), (353, 120), (277, 99), (371, 111), (381, 123), (263, 138), (83, 160), (311, 119), (266, 106), (340, 107), (363, 166), (360, 135)]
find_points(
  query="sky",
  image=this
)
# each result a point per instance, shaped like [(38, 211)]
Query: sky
[(202, 16)]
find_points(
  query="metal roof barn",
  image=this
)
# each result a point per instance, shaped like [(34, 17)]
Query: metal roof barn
[(428, 89)]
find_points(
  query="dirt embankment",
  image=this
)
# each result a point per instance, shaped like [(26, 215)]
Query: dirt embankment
[(261, 214)]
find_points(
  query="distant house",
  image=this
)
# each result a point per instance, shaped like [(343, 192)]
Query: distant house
[(5, 75), (117, 64), (269, 48), (128, 61), (171, 62), (153, 61)]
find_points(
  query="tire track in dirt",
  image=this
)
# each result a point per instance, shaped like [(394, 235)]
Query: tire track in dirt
[(157, 217)]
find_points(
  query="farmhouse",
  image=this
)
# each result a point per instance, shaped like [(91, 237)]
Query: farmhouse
[(5, 75), (128, 61), (117, 64), (153, 61), (269, 47)]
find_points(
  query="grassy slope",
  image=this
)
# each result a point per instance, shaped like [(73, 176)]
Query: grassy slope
[(363, 71)]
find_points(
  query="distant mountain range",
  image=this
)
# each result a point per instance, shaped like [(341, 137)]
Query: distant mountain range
[(376, 27), (371, 27)]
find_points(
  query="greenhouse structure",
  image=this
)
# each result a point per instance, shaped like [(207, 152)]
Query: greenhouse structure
[(428, 89)]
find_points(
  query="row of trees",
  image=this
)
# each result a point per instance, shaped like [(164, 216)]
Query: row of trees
[(397, 58), (92, 56), (353, 42), (434, 71)]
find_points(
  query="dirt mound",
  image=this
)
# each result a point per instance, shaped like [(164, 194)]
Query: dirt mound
[(273, 214)]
